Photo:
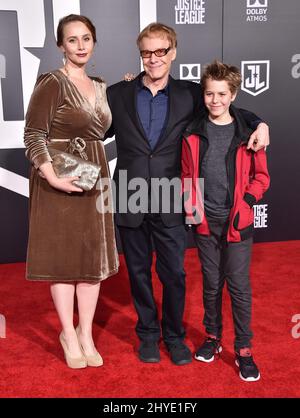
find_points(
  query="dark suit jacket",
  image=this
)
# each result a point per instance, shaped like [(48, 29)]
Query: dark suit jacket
[(133, 150)]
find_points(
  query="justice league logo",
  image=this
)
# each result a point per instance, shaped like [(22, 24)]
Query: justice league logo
[(260, 216), (256, 76), (190, 12)]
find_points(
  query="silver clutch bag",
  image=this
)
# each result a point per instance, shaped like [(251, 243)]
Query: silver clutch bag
[(66, 164)]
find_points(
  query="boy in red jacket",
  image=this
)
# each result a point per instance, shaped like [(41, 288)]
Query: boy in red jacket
[(235, 178)]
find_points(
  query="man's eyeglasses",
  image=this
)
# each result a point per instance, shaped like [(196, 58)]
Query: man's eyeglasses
[(158, 52)]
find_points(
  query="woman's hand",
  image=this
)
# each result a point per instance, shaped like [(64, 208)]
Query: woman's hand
[(64, 184), (40, 174)]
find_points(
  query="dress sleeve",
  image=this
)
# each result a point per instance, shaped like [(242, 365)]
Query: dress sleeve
[(43, 105)]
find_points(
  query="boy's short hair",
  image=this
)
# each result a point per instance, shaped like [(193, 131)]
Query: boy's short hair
[(158, 29), (219, 71)]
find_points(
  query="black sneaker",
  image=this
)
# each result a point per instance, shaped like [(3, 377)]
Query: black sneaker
[(208, 349), (248, 369), (149, 352), (180, 354)]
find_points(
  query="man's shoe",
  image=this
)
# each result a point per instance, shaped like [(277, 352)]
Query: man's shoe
[(149, 352), (248, 369), (206, 352), (180, 354)]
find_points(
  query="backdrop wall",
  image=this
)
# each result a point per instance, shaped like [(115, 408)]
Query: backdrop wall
[(259, 36)]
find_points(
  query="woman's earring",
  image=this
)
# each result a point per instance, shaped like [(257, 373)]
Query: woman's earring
[(64, 58)]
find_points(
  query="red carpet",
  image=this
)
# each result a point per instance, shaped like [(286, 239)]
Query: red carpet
[(32, 363)]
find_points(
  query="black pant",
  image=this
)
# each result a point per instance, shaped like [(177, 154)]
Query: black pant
[(170, 245), (226, 261)]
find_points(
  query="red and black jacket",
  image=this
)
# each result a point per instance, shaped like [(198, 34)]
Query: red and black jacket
[(248, 177)]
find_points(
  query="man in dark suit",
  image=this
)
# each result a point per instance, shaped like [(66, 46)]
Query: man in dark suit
[(150, 114)]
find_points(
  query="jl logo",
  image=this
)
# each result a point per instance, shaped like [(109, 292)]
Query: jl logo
[(255, 75)]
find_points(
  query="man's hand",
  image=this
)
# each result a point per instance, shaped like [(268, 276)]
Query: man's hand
[(260, 138), (129, 76)]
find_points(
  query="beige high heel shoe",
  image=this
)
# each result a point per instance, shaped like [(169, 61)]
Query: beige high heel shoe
[(72, 362), (94, 361)]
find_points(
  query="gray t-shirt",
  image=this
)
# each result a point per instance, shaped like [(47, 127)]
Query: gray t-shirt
[(216, 193)]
